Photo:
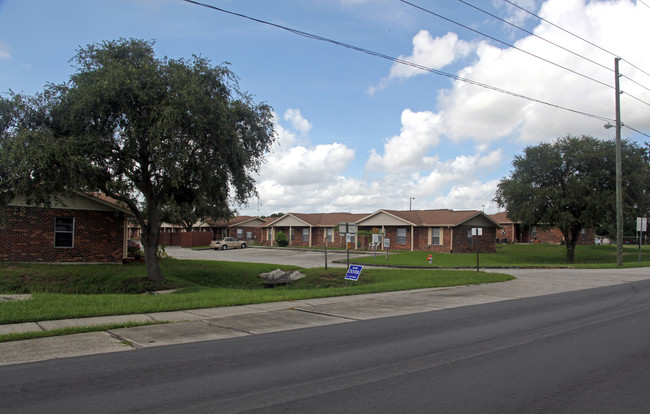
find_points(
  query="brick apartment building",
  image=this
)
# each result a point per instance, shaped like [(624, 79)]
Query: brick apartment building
[(84, 228), (512, 232), (444, 231)]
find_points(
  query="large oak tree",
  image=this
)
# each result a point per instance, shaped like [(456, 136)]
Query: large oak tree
[(152, 133), (570, 184)]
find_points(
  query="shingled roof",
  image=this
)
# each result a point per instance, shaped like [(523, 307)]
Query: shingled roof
[(328, 219), (435, 218)]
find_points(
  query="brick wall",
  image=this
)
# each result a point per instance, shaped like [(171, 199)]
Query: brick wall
[(487, 242), (27, 235)]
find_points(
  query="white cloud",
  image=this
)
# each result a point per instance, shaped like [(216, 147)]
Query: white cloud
[(476, 113), (408, 150), (461, 170), (427, 51), (293, 163), (302, 166), (4, 51), (473, 196), (297, 121), (518, 16)]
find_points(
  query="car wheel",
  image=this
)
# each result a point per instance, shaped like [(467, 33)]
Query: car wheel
[(243, 245), (224, 247)]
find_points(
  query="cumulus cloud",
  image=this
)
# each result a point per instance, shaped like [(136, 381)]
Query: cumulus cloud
[(297, 121), (293, 163), (460, 171), (408, 151), (472, 196), (484, 115), (427, 51), (516, 15)]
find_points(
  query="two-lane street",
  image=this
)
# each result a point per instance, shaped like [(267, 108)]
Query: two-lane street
[(582, 351)]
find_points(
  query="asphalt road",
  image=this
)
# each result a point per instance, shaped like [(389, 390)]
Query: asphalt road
[(586, 351), (306, 258)]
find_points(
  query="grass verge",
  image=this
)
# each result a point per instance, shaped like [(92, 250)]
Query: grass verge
[(66, 291)]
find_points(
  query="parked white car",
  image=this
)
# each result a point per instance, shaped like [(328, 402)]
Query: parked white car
[(226, 243)]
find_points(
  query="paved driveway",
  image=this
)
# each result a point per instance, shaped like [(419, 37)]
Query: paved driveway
[(303, 258)]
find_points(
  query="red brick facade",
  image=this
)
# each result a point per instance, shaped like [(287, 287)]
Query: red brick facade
[(517, 233), (27, 235)]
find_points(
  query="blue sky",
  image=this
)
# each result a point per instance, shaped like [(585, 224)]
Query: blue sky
[(358, 133)]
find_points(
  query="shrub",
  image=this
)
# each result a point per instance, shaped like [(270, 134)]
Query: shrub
[(281, 239)]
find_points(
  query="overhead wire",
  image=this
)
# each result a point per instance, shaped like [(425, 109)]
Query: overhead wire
[(546, 40), (517, 48), (504, 43), (400, 61), (576, 36)]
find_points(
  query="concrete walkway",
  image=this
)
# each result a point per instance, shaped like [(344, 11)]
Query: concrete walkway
[(220, 323)]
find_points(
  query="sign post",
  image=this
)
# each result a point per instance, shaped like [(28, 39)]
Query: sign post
[(349, 229), (641, 226), (375, 242), (354, 271), (477, 232), (325, 237), (386, 246)]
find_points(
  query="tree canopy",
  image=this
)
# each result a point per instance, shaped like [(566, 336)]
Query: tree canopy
[(152, 133), (570, 184)]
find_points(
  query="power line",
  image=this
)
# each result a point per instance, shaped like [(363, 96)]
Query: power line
[(534, 35), (576, 36), (400, 61), (641, 1), (546, 40), (504, 43), (517, 48)]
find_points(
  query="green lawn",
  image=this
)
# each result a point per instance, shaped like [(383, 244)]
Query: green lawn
[(74, 291), (510, 255)]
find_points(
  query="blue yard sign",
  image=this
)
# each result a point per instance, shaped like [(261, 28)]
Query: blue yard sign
[(353, 272)]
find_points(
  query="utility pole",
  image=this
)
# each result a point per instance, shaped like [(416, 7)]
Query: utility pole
[(619, 171)]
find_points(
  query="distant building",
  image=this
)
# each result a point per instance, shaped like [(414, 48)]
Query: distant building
[(515, 232)]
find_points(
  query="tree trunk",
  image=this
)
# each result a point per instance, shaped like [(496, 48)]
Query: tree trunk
[(570, 253), (150, 244), (571, 239)]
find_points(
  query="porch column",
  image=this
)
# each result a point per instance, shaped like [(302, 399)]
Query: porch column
[(411, 238), (309, 236), (290, 235)]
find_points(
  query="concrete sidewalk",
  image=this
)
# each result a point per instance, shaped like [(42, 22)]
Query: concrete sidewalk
[(220, 323)]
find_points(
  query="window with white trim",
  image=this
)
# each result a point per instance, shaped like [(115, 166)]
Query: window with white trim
[(470, 239), (401, 235), (436, 236), (305, 235), (583, 235), (330, 235), (240, 233), (64, 232)]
